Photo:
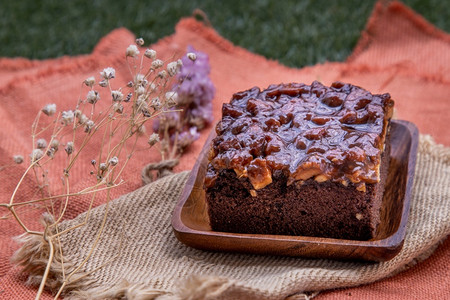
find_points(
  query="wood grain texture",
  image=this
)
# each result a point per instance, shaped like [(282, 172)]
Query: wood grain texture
[(191, 223)]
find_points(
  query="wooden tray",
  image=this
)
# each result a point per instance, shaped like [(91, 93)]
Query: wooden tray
[(190, 219)]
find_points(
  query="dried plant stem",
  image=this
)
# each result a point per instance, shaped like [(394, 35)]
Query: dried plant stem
[(49, 239), (126, 161), (66, 202), (11, 200), (33, 129), (80, 193), (80, 224), (96, 241), (22, 224), (58, 238), (83, 145), (173, 153), (102, 145), (65, 281), (47, 268)]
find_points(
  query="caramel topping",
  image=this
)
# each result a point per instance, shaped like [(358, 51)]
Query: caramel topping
[(327, 133)]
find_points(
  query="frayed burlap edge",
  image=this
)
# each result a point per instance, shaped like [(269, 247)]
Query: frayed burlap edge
[(33, 256), (34, 253), (192, 288)]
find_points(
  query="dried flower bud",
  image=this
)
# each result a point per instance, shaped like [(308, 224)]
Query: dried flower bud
[(156, 103), (130, 84), (49, 109), (83, 119), (140, 90), (103, 83), (114, 161), (92, 97), (36, 155), (89, 81), (163, 74), (141, 103), (128, 98), (179, 63), (192, 56), (102, 167), (93, 162), (77, 113), (89, 125), (117, 96), (141, 130), (157, 63), (67, 117), (141, 80), (51, 152), (132, 51), (118, 108), (69, 148), (108, 73), (152, 87), (154, 138), (18, 159), (150, 53), (140, 41), (172, 98), (54, 144), (173, 68), (41, 144)]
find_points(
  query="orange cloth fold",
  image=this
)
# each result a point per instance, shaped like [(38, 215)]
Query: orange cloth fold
[(399, 52)]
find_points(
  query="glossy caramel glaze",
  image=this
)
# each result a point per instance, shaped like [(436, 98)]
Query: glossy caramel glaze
[(332, 133)]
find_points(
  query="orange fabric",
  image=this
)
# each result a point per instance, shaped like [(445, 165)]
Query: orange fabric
[(399, 53)]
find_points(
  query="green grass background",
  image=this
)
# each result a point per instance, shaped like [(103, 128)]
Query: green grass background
[(295, 32)]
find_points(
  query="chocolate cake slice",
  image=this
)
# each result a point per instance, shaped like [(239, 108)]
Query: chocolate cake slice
[(298, 159)]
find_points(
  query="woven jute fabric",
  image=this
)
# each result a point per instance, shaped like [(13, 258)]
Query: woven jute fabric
[(138, 256), (399, 52)]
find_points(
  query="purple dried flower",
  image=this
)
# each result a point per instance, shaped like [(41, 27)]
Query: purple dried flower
[(169, 118), (186, 138), (195, 92), (195, 89)]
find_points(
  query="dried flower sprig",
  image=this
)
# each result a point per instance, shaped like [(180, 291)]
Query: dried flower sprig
[(112, 131)]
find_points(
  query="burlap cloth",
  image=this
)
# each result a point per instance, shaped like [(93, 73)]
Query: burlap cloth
[(139, 257)]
